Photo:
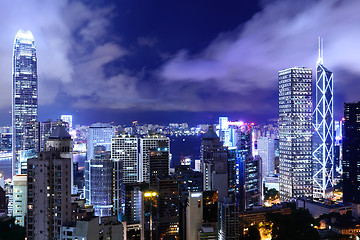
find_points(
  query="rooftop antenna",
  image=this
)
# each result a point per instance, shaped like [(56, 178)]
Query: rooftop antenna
[(321, 51)]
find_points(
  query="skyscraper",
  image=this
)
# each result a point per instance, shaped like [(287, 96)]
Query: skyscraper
[(266, 150), (99, 134), (214, 157), (24, 96), (323, 138), (101, 181), (351, 153), (146, 143), (295, 114)]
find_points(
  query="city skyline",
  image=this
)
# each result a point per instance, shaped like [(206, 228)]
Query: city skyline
[(138, 68)]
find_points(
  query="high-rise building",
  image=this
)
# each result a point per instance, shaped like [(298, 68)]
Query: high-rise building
[(168, 208), (67, 119), (101, 182), (60, 141), (229, 228), (266, 150), (99, 134), (323, 138), (49, 195), (295, 132), (124, 153), (24, 96), (159, 163), (351, 153), (146, 143), (20, 198), (252, 182), (214, 157)]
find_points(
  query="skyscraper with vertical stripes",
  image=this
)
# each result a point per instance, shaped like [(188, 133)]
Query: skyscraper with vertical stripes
[(295, 132), (24, 98), (323, 138)]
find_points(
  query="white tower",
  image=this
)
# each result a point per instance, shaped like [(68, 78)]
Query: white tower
[(323, 138)]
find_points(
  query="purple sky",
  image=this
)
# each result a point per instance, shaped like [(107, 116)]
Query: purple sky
[(120, 60)]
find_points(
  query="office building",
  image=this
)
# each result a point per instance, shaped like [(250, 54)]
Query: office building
[(133, 202), (124, 154), (351, 153), (168, 208), (228, 220), (159, 163), (124, 151), (24, 96), (295, 133), (214, 157), (60, 141), (252, 182), (49, 195), (67, 119), (99, 134), (323, 138), (266, 150), (101, 182), (20, 198), (146, 143)]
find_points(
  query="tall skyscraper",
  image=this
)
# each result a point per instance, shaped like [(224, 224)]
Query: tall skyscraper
[(125, 154), (323, 138), (99, 134), (101, 180), (214, 157), (146, 143), (24, 96), (351, 153), (295, 115), (159, 163)]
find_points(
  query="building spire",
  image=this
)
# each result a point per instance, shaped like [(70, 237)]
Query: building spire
[(321, 51)]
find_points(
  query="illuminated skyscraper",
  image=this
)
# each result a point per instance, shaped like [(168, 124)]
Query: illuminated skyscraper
[(295, 114), (24, 96), (323, 138), (99, 134)]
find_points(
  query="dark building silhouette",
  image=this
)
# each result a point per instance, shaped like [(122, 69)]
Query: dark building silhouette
[(159, 162), (351, 153)]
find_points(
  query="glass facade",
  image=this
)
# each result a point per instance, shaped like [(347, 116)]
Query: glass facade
[(24, 96), (323, 138), (295, 133), (101, 182), (99, 134)]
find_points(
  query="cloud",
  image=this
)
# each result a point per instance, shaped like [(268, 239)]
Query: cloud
[(146, 41), (73, 45), (282, 35), (237, 71)]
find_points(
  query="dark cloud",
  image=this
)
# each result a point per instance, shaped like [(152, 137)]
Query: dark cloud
[(284, 34)]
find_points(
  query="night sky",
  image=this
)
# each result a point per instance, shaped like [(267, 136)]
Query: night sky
[(167, 61)]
